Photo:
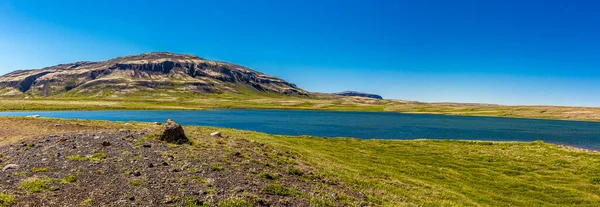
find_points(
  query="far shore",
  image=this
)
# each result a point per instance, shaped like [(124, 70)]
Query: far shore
[(294, 103)]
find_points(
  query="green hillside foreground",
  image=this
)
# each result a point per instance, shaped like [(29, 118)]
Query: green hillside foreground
[(403, 173), (457, 173)]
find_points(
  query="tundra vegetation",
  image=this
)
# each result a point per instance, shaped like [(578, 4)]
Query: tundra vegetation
[(243, 168)]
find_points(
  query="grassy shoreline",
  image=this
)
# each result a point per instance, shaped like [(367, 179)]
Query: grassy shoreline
[(406, 172), (296, 103)]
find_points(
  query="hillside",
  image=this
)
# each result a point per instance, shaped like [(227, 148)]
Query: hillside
[(359, 94), (97, 163), (148, 72)]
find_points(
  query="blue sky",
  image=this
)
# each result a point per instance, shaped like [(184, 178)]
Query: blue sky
[(494, 51)]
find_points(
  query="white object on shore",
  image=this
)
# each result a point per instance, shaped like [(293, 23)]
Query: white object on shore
[(34, 116)]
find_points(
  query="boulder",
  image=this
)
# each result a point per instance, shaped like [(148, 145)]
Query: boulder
[(173, 133)]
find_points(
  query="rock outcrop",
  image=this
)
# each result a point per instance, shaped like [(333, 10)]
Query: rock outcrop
[(142, 73), (172, 132), (358, 94)]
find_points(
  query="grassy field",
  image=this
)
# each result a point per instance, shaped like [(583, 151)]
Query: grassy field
[(190, 101), (410, 173)]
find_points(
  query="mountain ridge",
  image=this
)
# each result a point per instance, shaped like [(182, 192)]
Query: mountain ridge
[(143, 72)]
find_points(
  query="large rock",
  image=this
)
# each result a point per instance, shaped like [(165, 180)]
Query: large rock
[(173, 133)]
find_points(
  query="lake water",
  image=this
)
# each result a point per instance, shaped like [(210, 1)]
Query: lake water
[(365, 125)]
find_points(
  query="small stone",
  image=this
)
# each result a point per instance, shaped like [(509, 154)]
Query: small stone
[(137, 174), (106, 143), (146, 145), (215, 134), (150, 165), (10, 166), (57, 125), (239, 190), (165, 164)]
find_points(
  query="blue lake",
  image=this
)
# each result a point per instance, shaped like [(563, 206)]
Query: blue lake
[(365, 125)]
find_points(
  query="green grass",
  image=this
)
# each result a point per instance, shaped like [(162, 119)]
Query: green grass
[(442, 173), (217, 168), (135, 183), (39, 169), (161, 99), (278, 189), (294, 171), (7, 199), (92, 158), (69, 179), (35, 185), (234, 202), (268, 176)]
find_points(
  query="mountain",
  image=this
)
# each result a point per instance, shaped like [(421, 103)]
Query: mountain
[(143, 73), (358, 94)]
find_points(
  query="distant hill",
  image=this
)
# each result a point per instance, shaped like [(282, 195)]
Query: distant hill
[(359, 94), (143, 73)]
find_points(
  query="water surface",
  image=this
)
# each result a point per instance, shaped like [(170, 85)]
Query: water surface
[(365, 125)]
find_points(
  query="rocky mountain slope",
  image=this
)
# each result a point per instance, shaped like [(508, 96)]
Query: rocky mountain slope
[(358, 94), (143, 73)]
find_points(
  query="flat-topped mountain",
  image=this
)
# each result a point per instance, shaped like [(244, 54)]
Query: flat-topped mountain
[(358, 94), (143, 73)]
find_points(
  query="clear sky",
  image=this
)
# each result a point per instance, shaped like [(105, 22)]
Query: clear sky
[(493, 51)]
